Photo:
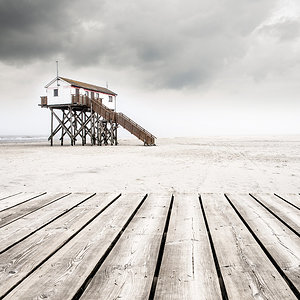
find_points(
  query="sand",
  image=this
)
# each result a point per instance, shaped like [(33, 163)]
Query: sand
[(214, 164)]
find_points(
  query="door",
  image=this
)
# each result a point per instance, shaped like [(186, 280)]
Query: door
[(77, 100)]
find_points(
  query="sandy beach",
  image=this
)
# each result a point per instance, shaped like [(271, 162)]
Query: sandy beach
[(151, 222), (214, 164)]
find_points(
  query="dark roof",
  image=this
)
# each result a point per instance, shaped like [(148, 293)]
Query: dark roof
[(89, 86)]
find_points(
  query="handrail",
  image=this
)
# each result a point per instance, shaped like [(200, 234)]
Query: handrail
[(120, 118), (137, 125), (107, 112)]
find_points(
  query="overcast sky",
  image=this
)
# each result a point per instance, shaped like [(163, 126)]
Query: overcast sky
[(180, 68)]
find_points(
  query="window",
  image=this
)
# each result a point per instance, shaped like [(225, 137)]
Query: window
[(55, 94), (97, 95), (110, 99), (86, 93)]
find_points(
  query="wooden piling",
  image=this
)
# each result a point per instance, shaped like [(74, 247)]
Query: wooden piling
[(51, 141)]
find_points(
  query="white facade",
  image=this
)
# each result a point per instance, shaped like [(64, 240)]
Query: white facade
[(61, 91), (64, 93)]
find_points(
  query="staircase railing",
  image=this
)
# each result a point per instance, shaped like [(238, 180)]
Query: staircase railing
[(135, 129), (120, 118), (103, 110)]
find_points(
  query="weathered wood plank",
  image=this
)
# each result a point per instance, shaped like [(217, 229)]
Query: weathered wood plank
[(280, 242), (14, 213), (128, 270), (17, 199), (294, 199), (24, 226), (246, 270), (5, 195), (64, 273), (286, 212), (187, 270), (23, 258)]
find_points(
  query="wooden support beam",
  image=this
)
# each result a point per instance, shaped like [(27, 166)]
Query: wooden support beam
[(62, 130), (82, 135), (84, 131), (98, 130), (51, 127), (75, 124), (116, 134), (63, 124), (84, 127), (58, 128), (93, 128), (82, 121), (72, 130)]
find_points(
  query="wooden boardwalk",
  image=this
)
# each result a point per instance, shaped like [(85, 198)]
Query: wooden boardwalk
[(136, 246)]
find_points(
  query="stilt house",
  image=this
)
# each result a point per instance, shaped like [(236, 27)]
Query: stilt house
[(60, 91), (84, 110)]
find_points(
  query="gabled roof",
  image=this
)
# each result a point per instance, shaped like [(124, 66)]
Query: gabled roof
[(84, 86)]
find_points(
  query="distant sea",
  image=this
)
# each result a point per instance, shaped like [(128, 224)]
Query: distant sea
[(22, 139)]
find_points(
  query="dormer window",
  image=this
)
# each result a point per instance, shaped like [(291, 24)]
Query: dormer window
[(110, 99), (55, 92)]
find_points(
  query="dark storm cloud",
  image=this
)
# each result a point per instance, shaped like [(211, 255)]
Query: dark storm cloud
[(171, 44), (32, 29)]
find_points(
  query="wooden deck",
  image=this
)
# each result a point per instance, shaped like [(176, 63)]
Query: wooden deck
[(136, 246)]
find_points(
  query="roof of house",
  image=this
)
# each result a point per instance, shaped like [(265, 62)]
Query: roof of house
[(88, 86), (84, 85)]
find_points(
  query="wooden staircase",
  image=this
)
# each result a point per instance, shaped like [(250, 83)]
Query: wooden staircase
[(123, 120)]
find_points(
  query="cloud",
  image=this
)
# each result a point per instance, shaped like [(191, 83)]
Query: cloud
[(283, 30), (32, 30), (169, 44)]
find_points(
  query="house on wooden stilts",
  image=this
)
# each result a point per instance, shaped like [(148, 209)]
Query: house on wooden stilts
[(85, 111)]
